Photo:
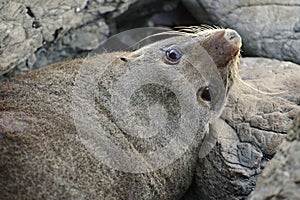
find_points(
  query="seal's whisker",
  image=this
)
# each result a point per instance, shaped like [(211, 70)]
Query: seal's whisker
[(218, 27), (196, 29), (237, 76), (181, 31), (257, 90), (207, 27)]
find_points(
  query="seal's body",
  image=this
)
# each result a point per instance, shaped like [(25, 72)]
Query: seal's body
[(76, 130)]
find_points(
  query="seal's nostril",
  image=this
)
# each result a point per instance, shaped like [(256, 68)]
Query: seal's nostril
[(233, 37)]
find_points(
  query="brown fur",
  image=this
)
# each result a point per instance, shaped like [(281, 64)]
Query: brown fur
[(41, 154)]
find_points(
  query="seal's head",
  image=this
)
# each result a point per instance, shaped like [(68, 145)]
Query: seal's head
[(170, 90), (207, 59)]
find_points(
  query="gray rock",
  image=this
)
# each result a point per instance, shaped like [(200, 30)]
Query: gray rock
[(253, 124), (82, 39), (35, 34), (27, 26), (269, 28), (281, 177)]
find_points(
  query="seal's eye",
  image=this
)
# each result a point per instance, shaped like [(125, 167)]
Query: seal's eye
[(205, 94), (172, 55)]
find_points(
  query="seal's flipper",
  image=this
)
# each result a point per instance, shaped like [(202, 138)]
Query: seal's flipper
[(209, 142)]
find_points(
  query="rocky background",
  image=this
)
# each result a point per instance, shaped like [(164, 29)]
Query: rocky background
[(260, 109)]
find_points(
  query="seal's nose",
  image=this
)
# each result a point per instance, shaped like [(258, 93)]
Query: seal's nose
[(233, 38), (222, 45)]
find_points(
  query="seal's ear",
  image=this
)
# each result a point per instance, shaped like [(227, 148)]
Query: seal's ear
[(128, 56), (124, 59)]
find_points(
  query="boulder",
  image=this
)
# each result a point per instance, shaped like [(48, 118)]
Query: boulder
[(39, 33), (281, 177)]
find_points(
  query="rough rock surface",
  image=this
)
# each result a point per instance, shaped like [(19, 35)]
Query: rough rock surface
[(253, 124), (269, 28), (35, 34), (38, 33), (281, 177)]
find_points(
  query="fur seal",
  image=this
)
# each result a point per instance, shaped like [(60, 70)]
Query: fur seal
[(121, 125)]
